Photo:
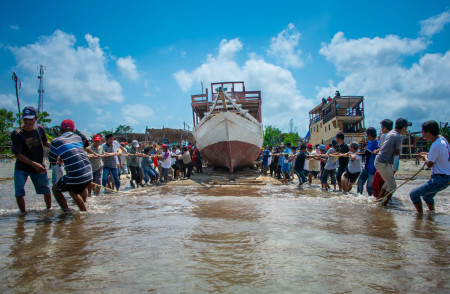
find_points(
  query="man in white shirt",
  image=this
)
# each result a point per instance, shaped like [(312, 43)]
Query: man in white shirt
[(439, 162)]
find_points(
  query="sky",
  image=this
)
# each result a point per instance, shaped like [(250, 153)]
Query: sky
[(138, 63)]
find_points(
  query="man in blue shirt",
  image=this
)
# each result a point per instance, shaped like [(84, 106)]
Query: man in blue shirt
[(369, 169), (68, 148)]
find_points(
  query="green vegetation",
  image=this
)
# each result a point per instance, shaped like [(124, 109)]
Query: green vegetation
[(7, 121)]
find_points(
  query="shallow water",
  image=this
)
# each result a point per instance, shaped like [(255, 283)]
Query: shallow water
[(237, 239)]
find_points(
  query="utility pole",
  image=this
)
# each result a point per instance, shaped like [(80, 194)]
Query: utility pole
[(16, 79), (41, 89)]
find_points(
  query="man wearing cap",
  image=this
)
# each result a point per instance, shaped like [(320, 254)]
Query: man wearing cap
[(133, 162), (391, 146), (165, 162), (28, 143), (314, 165), (69, 148), (96, 163)]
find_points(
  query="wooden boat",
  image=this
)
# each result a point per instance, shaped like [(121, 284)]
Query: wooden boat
[(228, 130)]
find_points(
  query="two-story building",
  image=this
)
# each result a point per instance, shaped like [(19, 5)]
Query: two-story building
[(342, 114)]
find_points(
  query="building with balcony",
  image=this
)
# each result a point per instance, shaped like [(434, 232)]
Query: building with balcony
[(342, 114)]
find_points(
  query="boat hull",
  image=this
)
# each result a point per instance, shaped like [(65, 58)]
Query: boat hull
[(229, 140)]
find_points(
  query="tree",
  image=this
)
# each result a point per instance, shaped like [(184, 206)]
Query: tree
[(7, 120), (124, 129), (43, 118), (272, 136)]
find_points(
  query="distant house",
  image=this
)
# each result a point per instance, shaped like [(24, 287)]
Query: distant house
[(341, 114)]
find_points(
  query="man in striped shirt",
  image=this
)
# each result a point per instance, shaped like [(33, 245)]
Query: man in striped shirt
[(69, 149)]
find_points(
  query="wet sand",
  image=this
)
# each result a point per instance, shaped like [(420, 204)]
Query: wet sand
[(238, 233)]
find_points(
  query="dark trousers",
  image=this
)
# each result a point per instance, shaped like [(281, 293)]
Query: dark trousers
[(187, 169), (199, 166), (278, 172)]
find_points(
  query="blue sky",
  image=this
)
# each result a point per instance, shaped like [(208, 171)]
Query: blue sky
[(110, 63)]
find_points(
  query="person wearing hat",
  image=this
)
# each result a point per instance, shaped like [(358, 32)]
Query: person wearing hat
[(97, 164), (28, 142), (314, 165), (133, 163), (353, 168), (166, 163), (391, 146), (70, 150)]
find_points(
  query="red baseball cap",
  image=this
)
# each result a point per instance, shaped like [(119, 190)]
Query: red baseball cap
[(97, 138), (164, 146), (68, 124), (309, 145)]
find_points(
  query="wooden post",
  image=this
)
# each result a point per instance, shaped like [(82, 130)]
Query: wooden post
[(409, 139)]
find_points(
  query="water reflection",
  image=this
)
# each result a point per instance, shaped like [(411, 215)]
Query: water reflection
[(47, 252), (227, 252)]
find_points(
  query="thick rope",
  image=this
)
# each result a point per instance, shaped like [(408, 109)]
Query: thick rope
[(392, 192)]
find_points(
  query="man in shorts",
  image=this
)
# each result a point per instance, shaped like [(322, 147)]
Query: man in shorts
[(314, 165), (353, 169), (299, 165), (439, 160), (28, 143), (330, 166), (69, 149)]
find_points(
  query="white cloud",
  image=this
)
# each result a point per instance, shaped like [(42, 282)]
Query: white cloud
[(127, 66), (282, 47), (14, 27), (348, 55), (137, 114), (9, 102), (434, 24), (281, 100), (419, 92), (73, 74)]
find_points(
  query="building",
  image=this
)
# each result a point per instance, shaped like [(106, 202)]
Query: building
[(342, 114)]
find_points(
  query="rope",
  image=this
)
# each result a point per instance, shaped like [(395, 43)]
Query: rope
[(392, 192), (111, 190)]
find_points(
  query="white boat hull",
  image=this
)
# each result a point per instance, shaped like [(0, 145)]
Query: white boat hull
[(229, 139)]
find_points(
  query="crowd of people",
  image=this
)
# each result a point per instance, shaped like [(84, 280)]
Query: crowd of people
[(80, 167), (372, 165)]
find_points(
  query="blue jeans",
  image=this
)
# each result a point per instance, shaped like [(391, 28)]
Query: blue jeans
[(363, 177), (40, 182), (429, 189), (149, 173), (115, 174)]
